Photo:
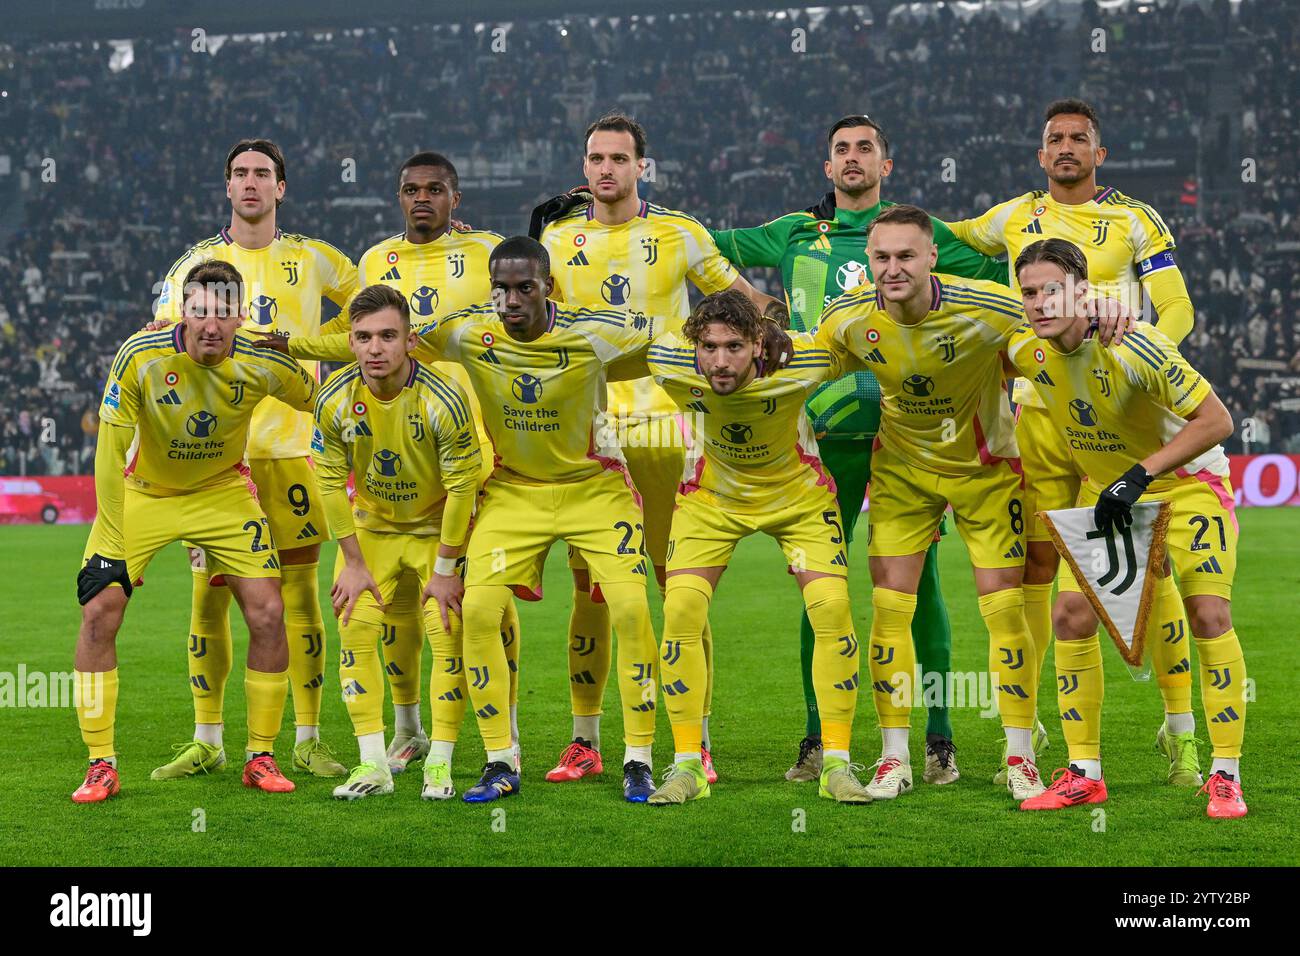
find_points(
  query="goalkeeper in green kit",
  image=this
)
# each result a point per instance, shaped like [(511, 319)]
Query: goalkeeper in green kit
[(822, 253)]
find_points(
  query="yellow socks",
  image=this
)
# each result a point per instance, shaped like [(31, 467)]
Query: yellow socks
[(402, 639), (486, 668), (306, 633), (510, 641), (447, 684), (96, 703), (590, 647), (1080, 688), (1038, 617), (359, 672), (683, 670), (1167, 633), (265, 693), (835, 659), (1223, 682), (706, 640), (629, 612), (1011, 657), (892, 658), (210, 649)]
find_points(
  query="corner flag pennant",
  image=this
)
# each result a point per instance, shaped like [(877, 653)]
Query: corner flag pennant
[(1116, 570)]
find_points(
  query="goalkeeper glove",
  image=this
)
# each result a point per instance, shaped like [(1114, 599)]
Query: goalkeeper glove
[(98, 573), (557, 207), (1115, 504)]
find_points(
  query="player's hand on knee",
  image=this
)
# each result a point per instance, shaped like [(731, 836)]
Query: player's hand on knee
[(98, 573), (1112, 319), (353, 581), (449, 591), (276, 341)]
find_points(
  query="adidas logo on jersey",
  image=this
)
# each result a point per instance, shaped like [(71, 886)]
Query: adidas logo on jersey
[(362, 428), (308, 531), (1017, 551), (875, 355), (392, 275), (698, 407), (1210, 567), (579, 260), (171, 398), (490, 357), (1035, 228), (1042, 378)]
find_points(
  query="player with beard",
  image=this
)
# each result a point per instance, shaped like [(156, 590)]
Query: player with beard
[(821, 252), (1130, 251)]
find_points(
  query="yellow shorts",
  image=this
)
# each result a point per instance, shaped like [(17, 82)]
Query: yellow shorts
[(516, 525), (389, 556), (809, 531), (907, 504), (656, 456), (286, 489), (225, 522), (1202, 537), (1052, 478)]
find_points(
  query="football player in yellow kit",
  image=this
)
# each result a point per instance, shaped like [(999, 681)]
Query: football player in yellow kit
[(285, 276), (1130, 251), (946, 438), (1138, 403), (180, 402), (612, 250), (440, 270), (407, 436), (755, 468)]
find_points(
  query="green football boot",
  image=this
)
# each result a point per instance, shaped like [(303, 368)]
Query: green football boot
[(189, 759), (1184, 761), (839, 783), (316, 758), (683, 782)]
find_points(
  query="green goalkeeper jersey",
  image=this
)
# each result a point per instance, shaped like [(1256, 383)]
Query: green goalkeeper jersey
[(822, 253)]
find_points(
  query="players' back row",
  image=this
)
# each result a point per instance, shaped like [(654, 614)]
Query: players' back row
[(584, 233)]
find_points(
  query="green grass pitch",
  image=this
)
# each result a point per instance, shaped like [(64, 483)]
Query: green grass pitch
[(754, 816)]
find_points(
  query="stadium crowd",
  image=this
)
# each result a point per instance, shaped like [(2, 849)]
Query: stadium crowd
[(115, 155)]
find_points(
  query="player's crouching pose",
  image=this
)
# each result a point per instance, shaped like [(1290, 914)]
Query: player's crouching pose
[(407, 435), (755, 469), (1138, 403), (190, 392)]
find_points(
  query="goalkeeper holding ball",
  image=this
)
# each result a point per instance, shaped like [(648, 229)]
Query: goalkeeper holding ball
[(821, 253)]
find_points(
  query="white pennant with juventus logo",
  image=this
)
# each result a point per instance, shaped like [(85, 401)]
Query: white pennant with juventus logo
[(1116, 570)]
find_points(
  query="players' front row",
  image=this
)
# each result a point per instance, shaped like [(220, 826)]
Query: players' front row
[(406, 436)]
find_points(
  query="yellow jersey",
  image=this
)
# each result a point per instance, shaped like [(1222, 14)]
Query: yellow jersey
[(944, 406), (411, 455), (542, 401), (193, 420), (640, 267), (754, 449), (1116, 406), (1125, 242), (284, 283), (438, 278)]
